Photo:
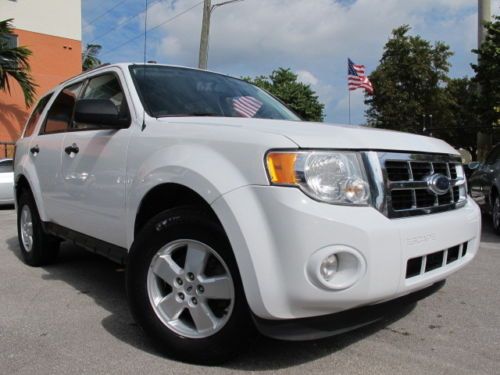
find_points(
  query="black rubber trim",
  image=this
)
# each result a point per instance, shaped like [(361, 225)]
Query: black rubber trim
[(338, 323), (115, 253)]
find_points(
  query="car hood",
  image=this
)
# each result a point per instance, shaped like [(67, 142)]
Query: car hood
[(334, 136)]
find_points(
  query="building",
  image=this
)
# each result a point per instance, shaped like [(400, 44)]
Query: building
[(51, 29)]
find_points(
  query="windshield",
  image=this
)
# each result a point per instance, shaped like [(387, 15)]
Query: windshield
[(170, 91)]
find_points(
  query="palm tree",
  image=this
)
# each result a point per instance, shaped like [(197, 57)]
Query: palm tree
[(14, 65), (89, 57)]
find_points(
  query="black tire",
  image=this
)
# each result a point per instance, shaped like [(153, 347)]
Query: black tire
[(44, 248), (495, 214), (187, 224)]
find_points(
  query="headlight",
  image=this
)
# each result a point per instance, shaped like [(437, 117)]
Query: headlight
[(335, 177)]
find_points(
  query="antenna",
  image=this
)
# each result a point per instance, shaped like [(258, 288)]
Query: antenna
[(144, 59)]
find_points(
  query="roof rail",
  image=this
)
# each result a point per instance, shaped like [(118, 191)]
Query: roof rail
[(85, 72)]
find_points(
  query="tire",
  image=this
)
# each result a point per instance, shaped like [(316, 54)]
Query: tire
[(495, 214), (37, 247), (189, 324)]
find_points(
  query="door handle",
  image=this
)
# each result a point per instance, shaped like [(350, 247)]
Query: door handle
[(35, 150), (72, 149)]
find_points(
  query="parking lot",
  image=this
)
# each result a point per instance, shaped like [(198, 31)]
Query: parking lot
[(72, 318)]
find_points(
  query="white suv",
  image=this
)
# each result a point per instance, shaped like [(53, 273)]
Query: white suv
[(231, 213)]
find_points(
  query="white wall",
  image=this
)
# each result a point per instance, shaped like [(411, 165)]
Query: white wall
[(53, 17)]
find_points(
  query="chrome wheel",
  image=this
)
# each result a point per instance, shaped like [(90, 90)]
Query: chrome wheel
[(496, 214), (190, 288), (26, 224)]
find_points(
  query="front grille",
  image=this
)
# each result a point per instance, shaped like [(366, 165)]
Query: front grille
[(430, 262), (406, 183)]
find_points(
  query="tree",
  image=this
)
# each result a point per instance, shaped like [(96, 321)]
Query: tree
[(14, 64), (464, 120), (298, 96), (488, 77), (408, 84), (89, 57)]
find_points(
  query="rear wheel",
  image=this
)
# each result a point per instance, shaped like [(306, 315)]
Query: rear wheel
[(37, 247), (496, 214), (184, 287)]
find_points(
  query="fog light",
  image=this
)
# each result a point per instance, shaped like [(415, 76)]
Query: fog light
[(335, 267), (329, 267)]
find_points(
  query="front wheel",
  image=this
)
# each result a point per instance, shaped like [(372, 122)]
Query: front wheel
[(184, 288), (496, 215)]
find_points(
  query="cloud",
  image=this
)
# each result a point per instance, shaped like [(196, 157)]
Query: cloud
[(313, 37), (307, 77)]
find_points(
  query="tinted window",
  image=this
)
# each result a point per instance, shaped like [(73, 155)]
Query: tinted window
[(60, 113), (6, 166), (105, 87), (168, 91), (493, 156), (35, 116)]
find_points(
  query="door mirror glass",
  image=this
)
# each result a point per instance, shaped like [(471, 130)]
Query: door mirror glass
[(101, 113), (474, 165)]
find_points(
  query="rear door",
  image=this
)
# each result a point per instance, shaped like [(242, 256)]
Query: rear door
[(94, 163), (45, 149)]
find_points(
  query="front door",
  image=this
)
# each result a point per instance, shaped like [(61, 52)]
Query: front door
[(94, 164)]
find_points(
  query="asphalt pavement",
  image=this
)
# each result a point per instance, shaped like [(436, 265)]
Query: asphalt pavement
[(72, 318)]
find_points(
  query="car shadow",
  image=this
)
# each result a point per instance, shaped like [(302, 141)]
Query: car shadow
[(104, 282)]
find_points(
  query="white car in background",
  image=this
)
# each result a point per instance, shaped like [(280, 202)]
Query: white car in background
[(6, 182)]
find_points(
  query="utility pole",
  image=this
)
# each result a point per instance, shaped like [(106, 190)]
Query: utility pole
[(484, 15), (484, 139), (205, 33), (208, 8)]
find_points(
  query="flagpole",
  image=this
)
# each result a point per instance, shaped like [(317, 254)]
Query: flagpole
[(349, 106)]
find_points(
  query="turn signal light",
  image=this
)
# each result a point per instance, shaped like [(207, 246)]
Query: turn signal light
[(281, 167)]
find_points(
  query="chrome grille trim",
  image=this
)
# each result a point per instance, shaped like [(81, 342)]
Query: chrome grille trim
[(411, 196)]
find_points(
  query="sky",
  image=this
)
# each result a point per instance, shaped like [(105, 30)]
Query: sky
[(314, 38)]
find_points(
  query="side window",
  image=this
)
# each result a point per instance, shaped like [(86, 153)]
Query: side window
[(60, 113), (35, 116), (493, 156), (105, 87)]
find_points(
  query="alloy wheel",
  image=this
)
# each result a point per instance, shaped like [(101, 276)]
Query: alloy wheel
[(190, 288), (26, 224)]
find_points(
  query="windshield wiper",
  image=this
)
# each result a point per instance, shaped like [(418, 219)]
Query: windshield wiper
[(193, 114)]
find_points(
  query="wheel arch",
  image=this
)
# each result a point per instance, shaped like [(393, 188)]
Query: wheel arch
[(166, 196)]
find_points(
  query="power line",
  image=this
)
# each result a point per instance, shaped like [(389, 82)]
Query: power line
[(122, 22), (153, 28), (106, 12)]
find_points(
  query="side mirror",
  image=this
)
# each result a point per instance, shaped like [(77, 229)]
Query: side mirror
[(99, 112), (474, 165)]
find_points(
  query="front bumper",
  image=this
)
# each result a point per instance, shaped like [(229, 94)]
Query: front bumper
[(335, 324), (275, 230)]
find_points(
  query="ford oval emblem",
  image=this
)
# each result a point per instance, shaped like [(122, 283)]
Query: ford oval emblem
[(438, 184)]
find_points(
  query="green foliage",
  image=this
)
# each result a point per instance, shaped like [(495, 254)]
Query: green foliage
[(463, 119), (14, 65), (89, 57), (488, 75), (298, 96), (409, 84)]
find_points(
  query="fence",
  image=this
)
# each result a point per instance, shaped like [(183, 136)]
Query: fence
[(7, 149)]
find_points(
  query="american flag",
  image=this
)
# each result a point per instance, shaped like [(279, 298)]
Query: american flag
[(356, 77), (246, 106)]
